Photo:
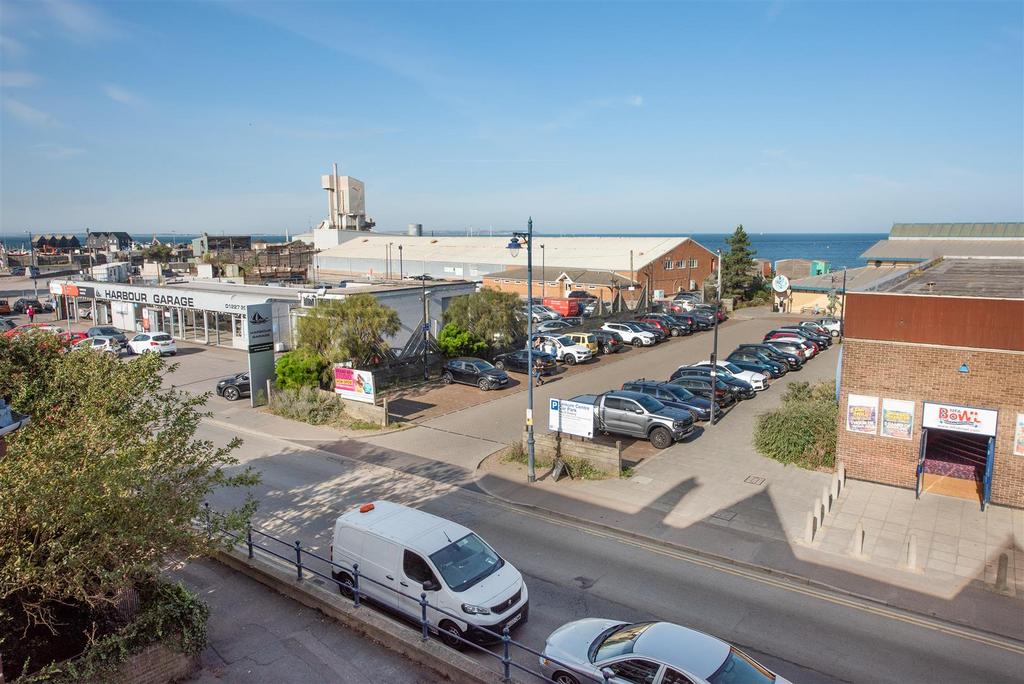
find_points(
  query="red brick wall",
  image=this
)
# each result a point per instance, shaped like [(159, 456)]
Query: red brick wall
[(157, 664), (922, 373), (676, 279), (553, 289)]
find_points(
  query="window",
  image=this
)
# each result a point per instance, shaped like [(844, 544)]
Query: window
[(591, 287), (681, 263), (636, 670), (668, 264), (613, 403), (416, 568), (629, 405), (693, 263), (673, 677), (465, 562)]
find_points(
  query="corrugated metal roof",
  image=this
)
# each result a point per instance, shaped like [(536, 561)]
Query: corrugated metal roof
[(576, 275), (596, 253), (995, 278), (924, 249), (856, 278), (957, 230)]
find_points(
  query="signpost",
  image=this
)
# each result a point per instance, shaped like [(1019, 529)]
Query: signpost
[(357, 385), (259, 335), (572, 417)]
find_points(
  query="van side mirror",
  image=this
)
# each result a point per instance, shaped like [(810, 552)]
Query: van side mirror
[(431, 585)]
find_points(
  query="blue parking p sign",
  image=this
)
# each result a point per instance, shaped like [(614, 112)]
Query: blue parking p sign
[(554, 405)]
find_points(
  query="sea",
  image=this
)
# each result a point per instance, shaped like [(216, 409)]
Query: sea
[(841, 250)]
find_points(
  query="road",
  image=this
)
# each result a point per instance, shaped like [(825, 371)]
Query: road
[(573, 572)]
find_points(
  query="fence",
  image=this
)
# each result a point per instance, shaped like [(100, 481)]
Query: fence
[(295, 554)]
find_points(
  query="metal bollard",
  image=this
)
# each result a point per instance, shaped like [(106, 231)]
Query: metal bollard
[(423, 616), (1001, 569), (506, 660), (826, 498), (209, 522), (298, 560), (911, 557), (248, 538), (857, 548), (809, 528), (355, 584)]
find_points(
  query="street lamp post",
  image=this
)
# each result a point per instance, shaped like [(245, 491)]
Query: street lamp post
[(514, 245), (714, 343), (842, 309), (543, 274), (401, 264), (426, 323)]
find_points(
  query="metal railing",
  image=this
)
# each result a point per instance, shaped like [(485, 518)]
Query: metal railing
[(297, 552)]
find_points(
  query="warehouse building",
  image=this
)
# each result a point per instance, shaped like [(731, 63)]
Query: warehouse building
[(916, 243), (931, 392)]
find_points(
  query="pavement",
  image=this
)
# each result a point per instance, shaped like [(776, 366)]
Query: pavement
[(257, 635)]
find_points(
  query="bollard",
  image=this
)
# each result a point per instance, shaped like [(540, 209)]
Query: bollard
[(506, 660), (355, 584), (842, 474), (298, 560), (423, 616), (821, 504), (209, 521), (857, 548), (248, 538), (826, 499), (835, 490), (1001, 570), (809, 528), (911, 557)]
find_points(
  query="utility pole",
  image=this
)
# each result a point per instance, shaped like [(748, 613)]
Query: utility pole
[(513, 246), (842, 309), (426, 320), (543, 275), (714, 343), (401, 264)]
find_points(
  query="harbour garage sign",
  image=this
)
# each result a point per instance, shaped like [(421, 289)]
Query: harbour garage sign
[(155, 296), (973, 421)]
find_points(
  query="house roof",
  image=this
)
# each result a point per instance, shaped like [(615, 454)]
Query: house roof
[(962, 277), (926, 249), (856, 279), (597, 253), (902, 231), (577, 275), (54, 236), (119, 234)]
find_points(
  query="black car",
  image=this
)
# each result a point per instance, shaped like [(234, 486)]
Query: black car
[(21, 305), (18, 271), (574, 321), (694, 323), (701, 386), (470, 371), (823, 341), (659, 334), (608, 341), (794, 361), (235, 387), (741, 388), (420, 277), (518, 361), (673, 396), (7, 324), (787, 348), (675, 325), (107, 331)]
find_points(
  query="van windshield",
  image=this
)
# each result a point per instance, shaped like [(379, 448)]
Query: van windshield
[(465, 562)]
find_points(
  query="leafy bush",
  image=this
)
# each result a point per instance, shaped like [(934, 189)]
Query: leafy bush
[(309, 405), (300, 368), (581, 468), (802, 430), (456, 341)]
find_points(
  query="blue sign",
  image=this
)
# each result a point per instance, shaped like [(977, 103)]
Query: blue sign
[(426, 327), (554, 404)]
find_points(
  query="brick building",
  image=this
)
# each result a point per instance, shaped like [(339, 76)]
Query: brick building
[(552, 281), (685, 267), (932, 381)]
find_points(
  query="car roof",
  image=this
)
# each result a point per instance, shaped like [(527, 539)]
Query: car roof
[(693, 651), (409, 527)]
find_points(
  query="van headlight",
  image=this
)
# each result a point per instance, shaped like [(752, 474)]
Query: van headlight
[(475, 610)]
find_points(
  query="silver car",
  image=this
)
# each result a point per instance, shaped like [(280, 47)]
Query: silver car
[(646, 653)]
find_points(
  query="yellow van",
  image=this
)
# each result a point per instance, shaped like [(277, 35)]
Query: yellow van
[(588, 340)]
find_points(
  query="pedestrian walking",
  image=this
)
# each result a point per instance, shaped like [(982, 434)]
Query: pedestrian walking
[(31, 313), (538, 367)]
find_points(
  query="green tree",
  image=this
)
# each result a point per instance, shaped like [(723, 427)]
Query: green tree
[(347, 329), (737, 265), (491, 315), (300, 368), (456, 341), (103, 485), (159, 253)]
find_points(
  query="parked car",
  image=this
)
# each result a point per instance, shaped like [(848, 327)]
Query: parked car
[(790, 336), (518, 361), (403, 552), (5, 307), (832, 324), (573, 321), (471, 371), (608, 342), (545, 313), (70, 338), (672, 396), (695, 324), (756, 379), (235, 387), (792, 345), (580, 294), (18, 271), (636, 336), (21, 305), (655, 324), (701, 386), (587, 339), (822, 339), (793, 361), (712, 310), (703, 319), (646, 652), (424, 276), (565, 349), (739, 388), (108, 331), (162, 343), (656, 330), (551, 326), (638, 415), (31, 327), (7, 324), (676, 326), (99, 343), (755, 361)]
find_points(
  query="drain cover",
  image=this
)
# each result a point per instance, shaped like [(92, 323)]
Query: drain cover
[(584, 582), (751, 479), (724, 515)]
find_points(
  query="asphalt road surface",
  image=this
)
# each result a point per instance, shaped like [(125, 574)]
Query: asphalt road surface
[(804, 634)]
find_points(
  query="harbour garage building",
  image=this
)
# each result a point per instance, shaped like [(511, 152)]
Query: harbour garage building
[(932, 381), (669, 263), (213, 312)]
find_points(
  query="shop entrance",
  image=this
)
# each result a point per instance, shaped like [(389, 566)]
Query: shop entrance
[(955, 464)]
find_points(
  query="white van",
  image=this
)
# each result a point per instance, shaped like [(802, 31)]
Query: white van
[(404, 549)]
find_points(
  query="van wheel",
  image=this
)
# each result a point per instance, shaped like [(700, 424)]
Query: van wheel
[(637, 342), (345, 578), (570, 360), (451, 634), (446, 378), (564, 678), (661, 438)]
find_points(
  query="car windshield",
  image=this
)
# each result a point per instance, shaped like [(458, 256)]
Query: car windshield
[(739, 668), (617, 641), (651, 404), (163, 337), (680, 393), (565, 340), (731, 367), (635, 327), (108, 331), (481, 365), (465, 562)]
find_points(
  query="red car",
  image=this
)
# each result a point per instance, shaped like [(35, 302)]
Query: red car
[(26, 327), (69, 338), (659, 324)]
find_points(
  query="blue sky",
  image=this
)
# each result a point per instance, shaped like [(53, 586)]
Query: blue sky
[(690, 117)]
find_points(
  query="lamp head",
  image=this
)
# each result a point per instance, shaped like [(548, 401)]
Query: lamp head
[(513, 247)]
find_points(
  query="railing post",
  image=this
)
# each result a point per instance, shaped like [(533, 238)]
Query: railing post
[(355, 584), (209, 522), (298, 560), (423, 615), (248, 537), (506, 660)]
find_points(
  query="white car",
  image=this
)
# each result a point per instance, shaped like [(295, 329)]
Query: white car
[(759, 381), (101, 343), (542, 313), (833, 325), (805, 346), (565, 349), (551, 326), (581, 652), (631, 334), (160, 343)]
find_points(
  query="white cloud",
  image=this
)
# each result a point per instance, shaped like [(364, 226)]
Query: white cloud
[(28, 114), (11, 48), (17, 79), (80, 21), (57, 151), (570, 117), (122, 95), (635, 101)]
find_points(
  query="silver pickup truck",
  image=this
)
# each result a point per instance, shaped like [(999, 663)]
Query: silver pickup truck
[(634, 414)]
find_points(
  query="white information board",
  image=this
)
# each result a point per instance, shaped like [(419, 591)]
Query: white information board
[(572, 417), (967, 419)]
